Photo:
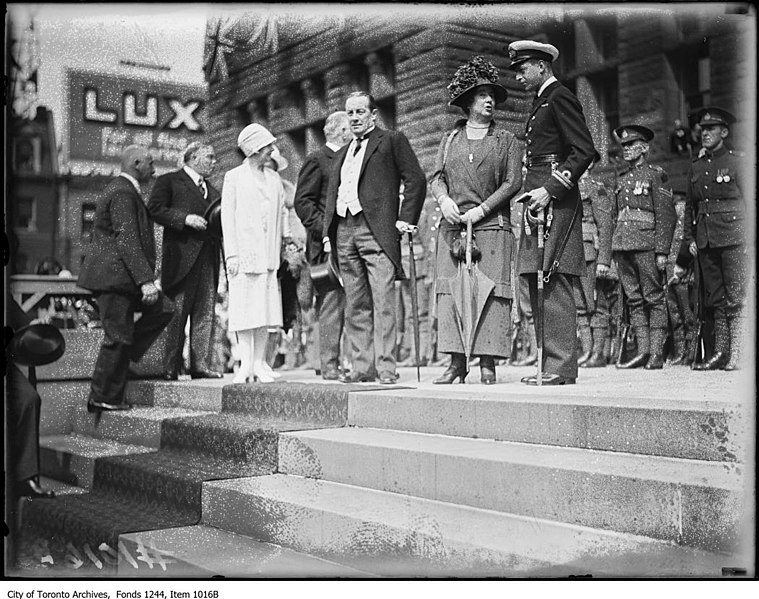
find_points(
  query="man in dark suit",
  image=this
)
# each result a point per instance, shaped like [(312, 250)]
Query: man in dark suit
[(190, 265), (310, 202), (23, 405), (558, 150), (119, 268), (363, 223)]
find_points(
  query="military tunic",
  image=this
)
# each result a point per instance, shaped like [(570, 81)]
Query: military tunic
[(590, 296), (645, 218), (716, 210), (558, 151)]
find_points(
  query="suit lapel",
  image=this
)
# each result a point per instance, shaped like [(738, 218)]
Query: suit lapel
[(193, 189), (542, 99)]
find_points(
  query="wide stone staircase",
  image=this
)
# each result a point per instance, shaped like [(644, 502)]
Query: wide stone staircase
[(318, 480)]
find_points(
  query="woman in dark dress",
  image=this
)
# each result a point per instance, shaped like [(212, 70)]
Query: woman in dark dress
[(478, 171)]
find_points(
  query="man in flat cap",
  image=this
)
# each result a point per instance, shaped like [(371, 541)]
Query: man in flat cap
[(716, 210), (645, 218), (558, 150)]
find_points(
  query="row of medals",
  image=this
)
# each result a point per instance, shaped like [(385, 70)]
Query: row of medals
[(722, 176)]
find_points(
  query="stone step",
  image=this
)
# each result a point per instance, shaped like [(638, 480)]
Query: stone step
[(138, 426), (682, 428), (71, 458), (204, 551), (199, 394), (690, 502), (398, 535)]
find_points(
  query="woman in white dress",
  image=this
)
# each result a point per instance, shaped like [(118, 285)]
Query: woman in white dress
[(254, 221)]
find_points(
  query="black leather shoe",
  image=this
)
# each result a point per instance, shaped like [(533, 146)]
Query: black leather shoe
[(655, 362), (597, 360), (388, 378), (356, 377), (450, 375), (206, 374), (31, 488), (550, 379), (718, 361), (331, 373), (94, 406), (638, 361), (170, 376), (487, 370)]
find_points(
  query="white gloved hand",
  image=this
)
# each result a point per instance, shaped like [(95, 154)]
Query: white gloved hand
[(450, 210), (233, 266), (473, 215)]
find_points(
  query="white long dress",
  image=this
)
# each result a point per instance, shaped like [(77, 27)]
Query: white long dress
[(254, 219)]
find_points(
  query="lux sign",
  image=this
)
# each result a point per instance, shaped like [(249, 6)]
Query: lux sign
[(183, 114)]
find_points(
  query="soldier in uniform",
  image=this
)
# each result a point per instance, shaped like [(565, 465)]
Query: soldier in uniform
[(716, 207), (644, 216), (681, 316), (590, 296), (558, 150)]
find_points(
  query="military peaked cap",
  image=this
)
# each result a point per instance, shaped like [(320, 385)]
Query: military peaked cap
[(523, 50), (629, 133)]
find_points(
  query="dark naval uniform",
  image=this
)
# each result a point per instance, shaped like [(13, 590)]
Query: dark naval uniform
[(716, 209), (590, 293), (558, 150), (645, 218)]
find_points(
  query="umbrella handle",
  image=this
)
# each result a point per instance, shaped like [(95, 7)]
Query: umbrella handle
[(469, 244)]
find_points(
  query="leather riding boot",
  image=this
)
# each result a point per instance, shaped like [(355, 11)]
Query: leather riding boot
[(680, 354), (457, 369), (656, 360), (735, 324), (586, 341), (721, 354), (531, 358), (644, 349), (597, 358)]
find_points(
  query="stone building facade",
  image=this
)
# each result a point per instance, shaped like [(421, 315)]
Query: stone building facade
[(642, 65)]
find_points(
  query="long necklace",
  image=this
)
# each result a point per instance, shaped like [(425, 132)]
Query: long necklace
[(473, 126)]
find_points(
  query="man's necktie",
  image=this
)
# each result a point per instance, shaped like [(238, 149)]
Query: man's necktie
[(202, 187), (358, 146)]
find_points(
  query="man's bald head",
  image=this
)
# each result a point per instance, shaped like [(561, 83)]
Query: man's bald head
[(137, 161)]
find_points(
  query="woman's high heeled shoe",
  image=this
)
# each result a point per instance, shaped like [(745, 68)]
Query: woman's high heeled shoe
[(487, 370), (456, 370)]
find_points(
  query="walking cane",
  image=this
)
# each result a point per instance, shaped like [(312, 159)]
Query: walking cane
[(539, 316), (414, 300)]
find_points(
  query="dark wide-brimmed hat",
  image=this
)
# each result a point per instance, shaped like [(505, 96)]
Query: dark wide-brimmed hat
[(472, 75), (630, 133), (326, 276), (37, 345), (213, 218)]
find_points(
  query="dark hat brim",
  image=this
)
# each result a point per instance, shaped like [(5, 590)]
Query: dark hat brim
[(37, 345), (461, 100), (213, 218), (326, 276)]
